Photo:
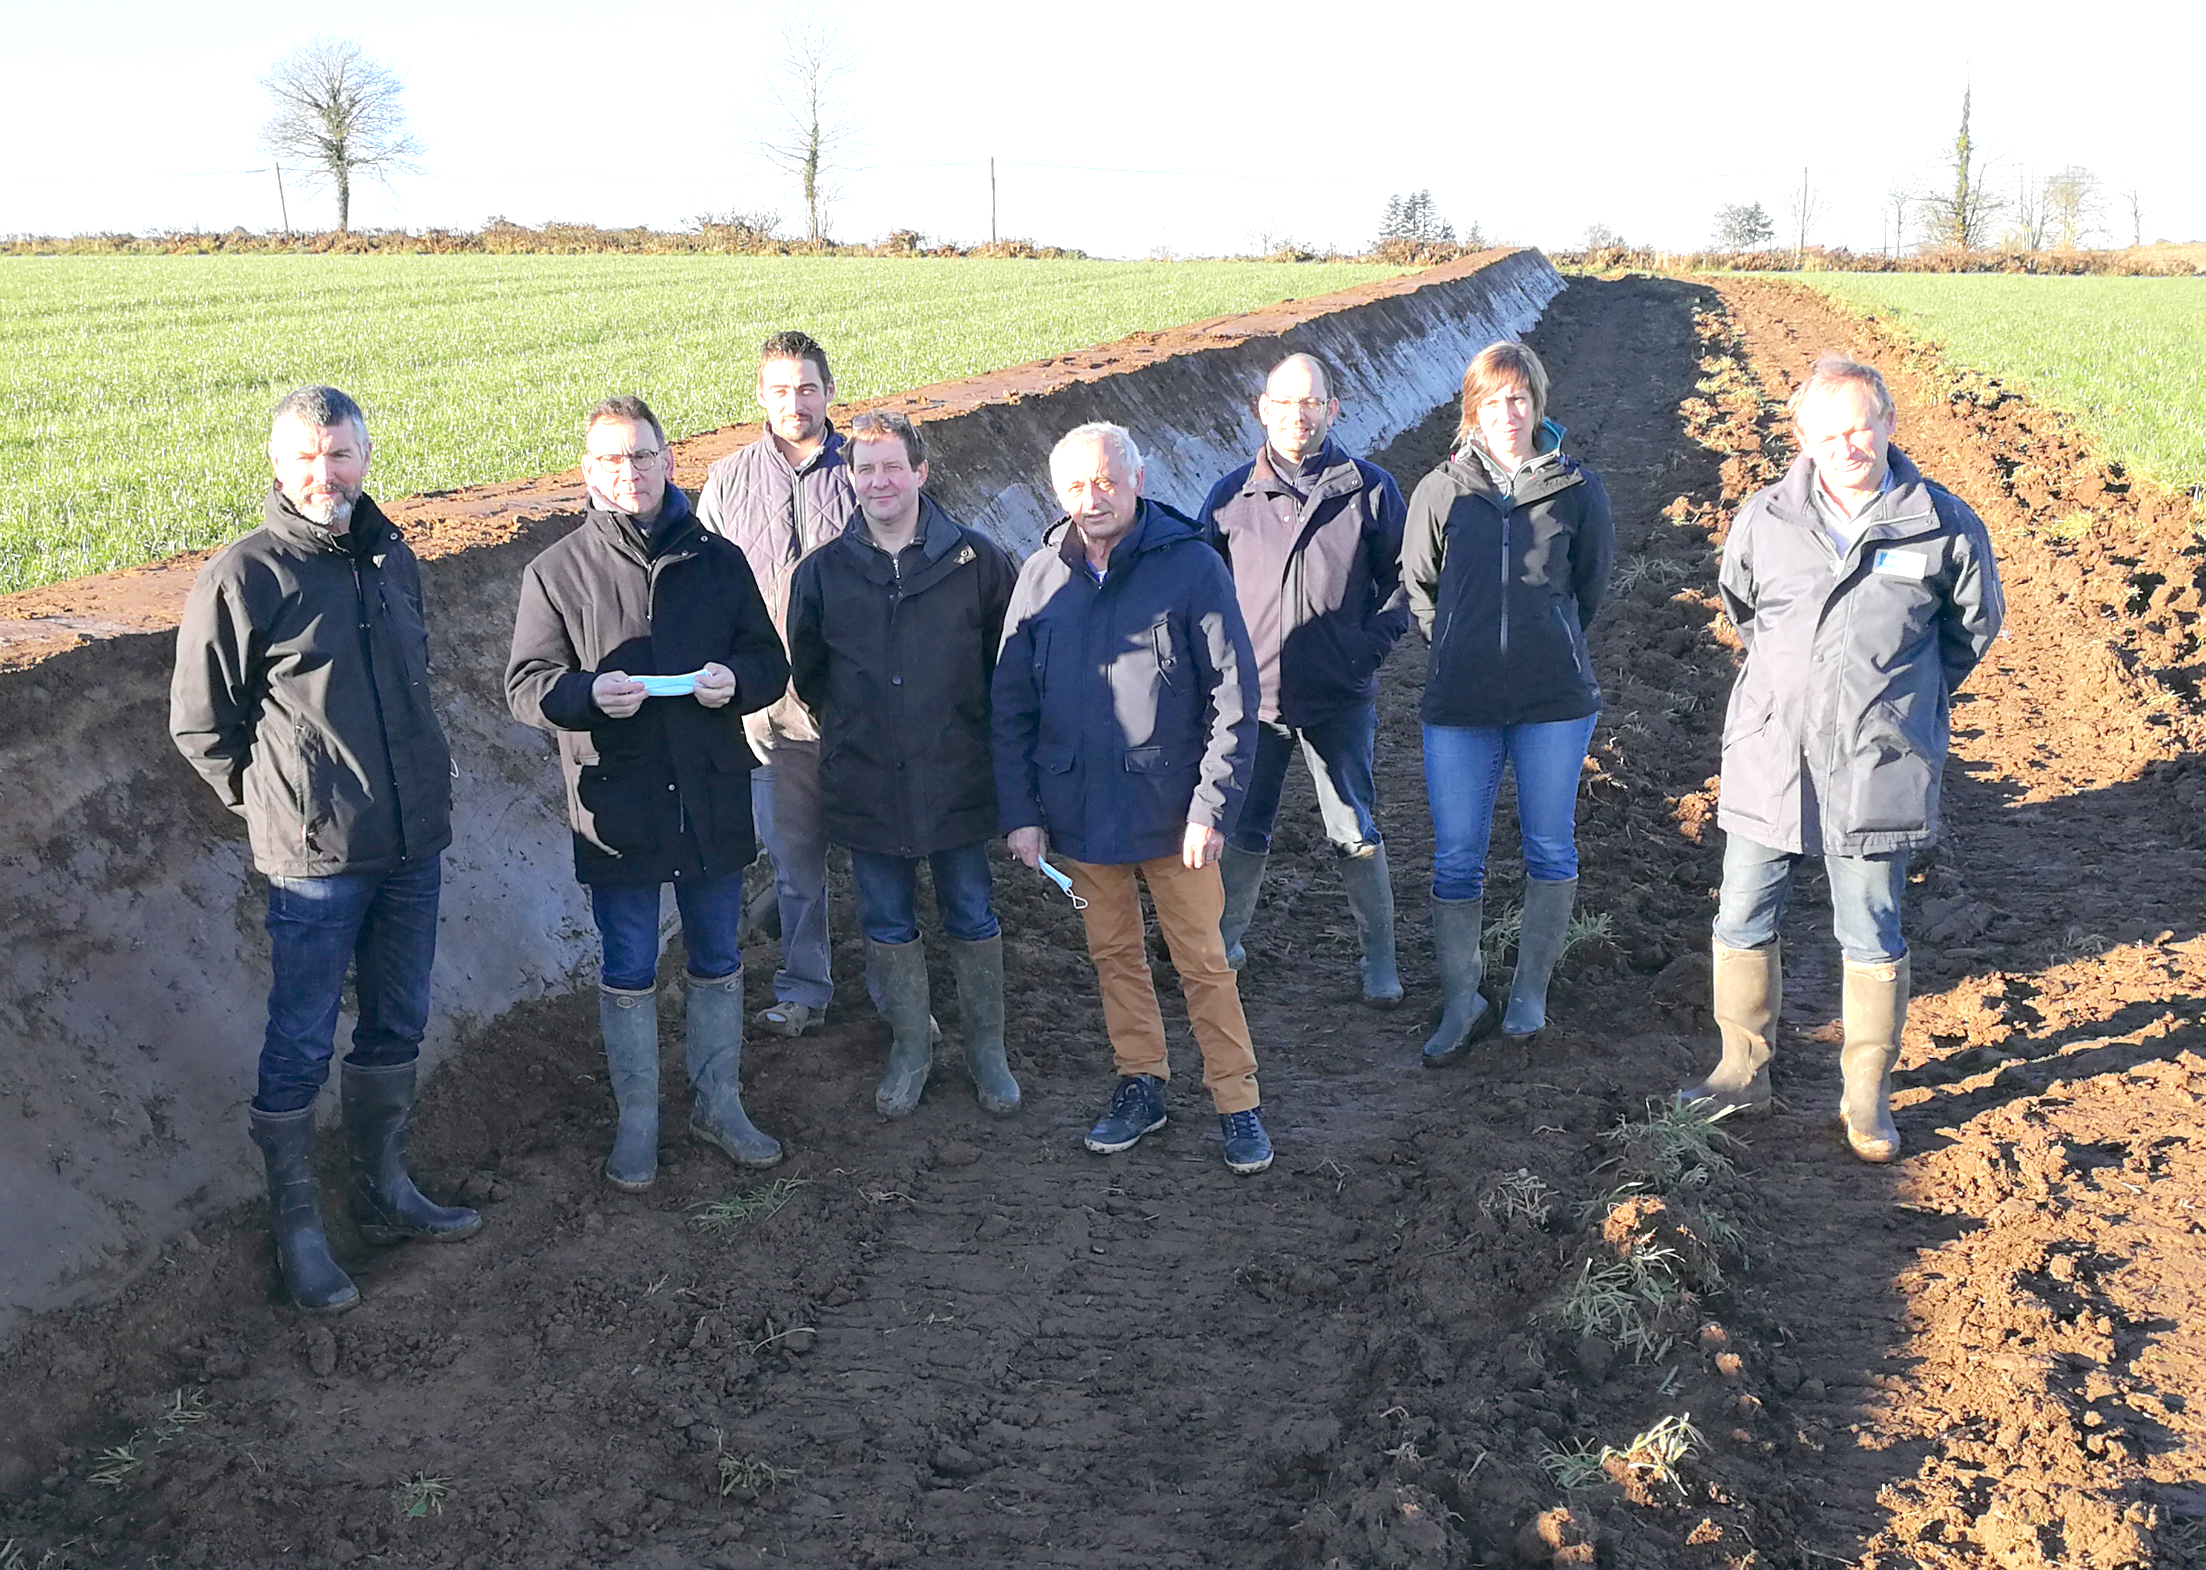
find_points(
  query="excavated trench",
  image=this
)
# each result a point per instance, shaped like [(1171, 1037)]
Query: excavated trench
[(959, 1341)]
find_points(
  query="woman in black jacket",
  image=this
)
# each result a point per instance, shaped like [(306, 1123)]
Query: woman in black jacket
[(1505, 559)]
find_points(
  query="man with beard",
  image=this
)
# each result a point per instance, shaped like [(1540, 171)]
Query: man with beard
[(301, 694), (778, 499)]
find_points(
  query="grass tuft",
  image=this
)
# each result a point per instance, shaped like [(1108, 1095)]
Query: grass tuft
[(1654, 1455), (728, 1215), (420, 1495), (1523, 1194)]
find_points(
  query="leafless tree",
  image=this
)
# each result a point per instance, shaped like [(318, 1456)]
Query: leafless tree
[(1961, 216), (1901, 197), (2027, 231), (337, 115), (810, 132), (2073, 206), (2136, 217), (1803, 211)]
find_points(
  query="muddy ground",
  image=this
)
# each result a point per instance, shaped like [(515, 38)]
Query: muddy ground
[(960, 1341)]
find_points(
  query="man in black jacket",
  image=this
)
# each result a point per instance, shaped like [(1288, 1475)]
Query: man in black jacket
[(641, 641), (301, 694), (893, 629), (1125, 712), (1314, 538)]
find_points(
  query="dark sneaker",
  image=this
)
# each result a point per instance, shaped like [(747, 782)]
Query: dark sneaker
[(1248, 1147), (1137, 1108)]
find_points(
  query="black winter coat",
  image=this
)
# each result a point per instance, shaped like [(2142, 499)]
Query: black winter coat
[(666, 793), (1320, 573), (893, 655), (301, 694), (1125, 710), (1504, 588)]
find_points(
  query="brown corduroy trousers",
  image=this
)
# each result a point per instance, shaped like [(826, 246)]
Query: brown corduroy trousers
[(1188, 903)]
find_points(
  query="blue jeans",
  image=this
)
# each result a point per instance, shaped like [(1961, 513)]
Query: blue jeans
[(1338, 752), (785, 809), (628, 927), (1865, 899), (1462, 779), (888, 893), (380, 926)]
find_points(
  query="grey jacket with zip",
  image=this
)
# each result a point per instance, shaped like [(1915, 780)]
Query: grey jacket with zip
[(1834, 742), (777, 513), (301, 694)]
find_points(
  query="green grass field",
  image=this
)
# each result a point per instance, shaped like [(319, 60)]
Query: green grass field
[(2126, 355), (134, 391)]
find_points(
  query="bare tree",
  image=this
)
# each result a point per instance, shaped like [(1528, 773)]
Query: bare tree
[(1901, 199), (2027, 232), (1803, 211), (337, 115), (2073, 206), (2136, 217), (810, 132), (1962, 215)]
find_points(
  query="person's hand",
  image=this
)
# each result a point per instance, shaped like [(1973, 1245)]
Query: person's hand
[(1201, 846), (715, 685), (1026, 844), (617, 695)]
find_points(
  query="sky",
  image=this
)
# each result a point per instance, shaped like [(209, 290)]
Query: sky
[(1152, 126)]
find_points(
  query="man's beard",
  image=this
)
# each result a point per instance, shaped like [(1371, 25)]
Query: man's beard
[(333, 512)]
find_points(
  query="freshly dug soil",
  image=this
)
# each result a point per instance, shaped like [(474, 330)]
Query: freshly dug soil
[(963, 1341)]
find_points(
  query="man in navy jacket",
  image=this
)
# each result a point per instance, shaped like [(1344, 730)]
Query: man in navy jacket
[(1125, 712), (1314, 540)]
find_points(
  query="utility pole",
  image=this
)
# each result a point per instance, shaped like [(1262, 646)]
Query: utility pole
[(282, 205), (991, 201)]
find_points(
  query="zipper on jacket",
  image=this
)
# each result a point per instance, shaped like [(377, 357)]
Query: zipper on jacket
[(375, 691), (1507, 513)]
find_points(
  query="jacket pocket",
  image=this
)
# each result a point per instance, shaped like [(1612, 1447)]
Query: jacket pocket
[(1760, 767), (1894, 775), (618, 805), (1057, 770), (1160, 644)]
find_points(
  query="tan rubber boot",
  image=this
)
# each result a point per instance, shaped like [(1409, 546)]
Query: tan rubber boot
[(1874, 1012), (1748, 990)]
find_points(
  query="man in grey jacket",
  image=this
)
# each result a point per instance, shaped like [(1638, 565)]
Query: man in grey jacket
[(778, 499), (301, 695), (1864, 595)]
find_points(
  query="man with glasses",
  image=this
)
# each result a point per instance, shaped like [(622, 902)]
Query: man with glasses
[(301, 695), (778, 499), (1313, 537), (641, 641)]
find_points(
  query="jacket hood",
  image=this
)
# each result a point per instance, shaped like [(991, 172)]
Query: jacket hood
[(1793, 497), (1547, 471)]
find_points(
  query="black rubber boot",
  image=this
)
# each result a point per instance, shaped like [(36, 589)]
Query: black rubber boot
[(902, 969), (628, 1023), (1371, 899), (1747, 987), (979, 968), (385, 1203), (316, 1284), (1458, 926), (1242, 873), (716, 1072)]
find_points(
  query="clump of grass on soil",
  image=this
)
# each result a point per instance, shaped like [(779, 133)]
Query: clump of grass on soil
[(1653, 1456), (726, 1216)]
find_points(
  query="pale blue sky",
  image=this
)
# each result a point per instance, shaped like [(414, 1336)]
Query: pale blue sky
[(1195, 128)]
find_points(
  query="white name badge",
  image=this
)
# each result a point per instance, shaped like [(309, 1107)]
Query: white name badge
[(1902, 564)]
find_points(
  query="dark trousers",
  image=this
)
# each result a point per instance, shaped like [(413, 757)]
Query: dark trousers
[(628, 928), (1338, 751), (380, 927), (888, 893)]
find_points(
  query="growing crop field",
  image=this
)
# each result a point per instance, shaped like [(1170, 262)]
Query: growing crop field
[(134, 391), (2127, 355)]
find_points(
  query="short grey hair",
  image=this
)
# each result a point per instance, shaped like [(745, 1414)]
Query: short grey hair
[(1098, 433), (1832, 369), (319, 408), (1323, 376)]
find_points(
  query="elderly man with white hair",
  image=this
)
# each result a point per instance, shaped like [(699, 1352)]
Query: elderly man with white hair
[(1125, 717), (1864, 595)]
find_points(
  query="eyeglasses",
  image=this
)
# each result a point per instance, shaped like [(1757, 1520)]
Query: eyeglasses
[(626, 460), (1305, 405)]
